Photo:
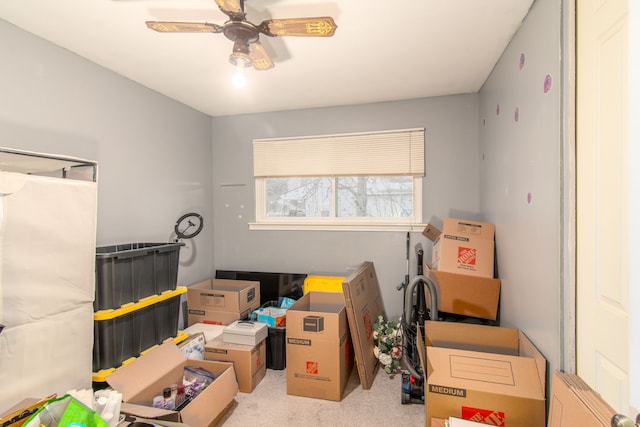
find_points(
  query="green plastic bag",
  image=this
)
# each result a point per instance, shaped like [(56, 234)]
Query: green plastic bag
[(65, 411)]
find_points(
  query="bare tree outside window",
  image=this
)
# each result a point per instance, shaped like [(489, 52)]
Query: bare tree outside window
[(373, 197)]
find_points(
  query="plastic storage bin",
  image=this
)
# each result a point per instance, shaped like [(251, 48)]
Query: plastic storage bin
[(130, 272), (276, 348), (276, 343), (133, 328), (99, 378)]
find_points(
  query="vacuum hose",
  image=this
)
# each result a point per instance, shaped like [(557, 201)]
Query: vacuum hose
[(408, 315)]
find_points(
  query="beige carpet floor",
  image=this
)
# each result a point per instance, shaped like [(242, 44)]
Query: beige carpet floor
[(270, 405)]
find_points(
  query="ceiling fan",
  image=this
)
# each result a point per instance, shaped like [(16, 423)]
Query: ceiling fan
[(247, 50)]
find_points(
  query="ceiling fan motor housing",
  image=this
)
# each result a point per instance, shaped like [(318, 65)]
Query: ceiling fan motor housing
[(241, 30)]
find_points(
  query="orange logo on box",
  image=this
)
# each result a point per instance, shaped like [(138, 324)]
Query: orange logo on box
[(312, 368), (467, 255), (485, 416)]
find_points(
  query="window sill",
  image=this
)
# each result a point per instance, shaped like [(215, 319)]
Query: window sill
[(310, 226)]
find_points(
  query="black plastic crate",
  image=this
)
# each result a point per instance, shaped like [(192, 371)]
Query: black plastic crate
[(130, 272), (133, 328)]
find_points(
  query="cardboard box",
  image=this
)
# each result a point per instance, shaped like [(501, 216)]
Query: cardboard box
[(224, 295), (214, 317), (463, 246), (245, 332), (364, 303), (574, 403), (249, 361), (483, 373), (466, 295), (146, 377), (319, 352)]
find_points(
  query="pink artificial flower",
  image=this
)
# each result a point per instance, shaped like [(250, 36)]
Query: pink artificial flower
[(396, 353)]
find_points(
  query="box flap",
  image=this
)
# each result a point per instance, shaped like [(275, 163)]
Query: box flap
[(232, 285), (212, 402), (364, 303), (205, 285), (527, 349), (466, 295), (573, 402), (431, 232), (469, 336), (162, 365)]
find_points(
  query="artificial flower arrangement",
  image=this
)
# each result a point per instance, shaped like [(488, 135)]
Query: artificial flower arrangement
[(388, 348)]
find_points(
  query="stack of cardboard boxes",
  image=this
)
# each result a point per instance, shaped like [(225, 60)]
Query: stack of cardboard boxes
[(229, 302), (242, 343), (476, 372), (462, 268)]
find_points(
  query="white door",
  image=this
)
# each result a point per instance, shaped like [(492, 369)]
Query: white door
[(602, 289)]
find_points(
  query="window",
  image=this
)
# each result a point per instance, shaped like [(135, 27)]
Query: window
[(363, 180)]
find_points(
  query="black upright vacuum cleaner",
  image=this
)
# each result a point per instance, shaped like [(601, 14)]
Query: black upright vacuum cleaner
[(414, 314)]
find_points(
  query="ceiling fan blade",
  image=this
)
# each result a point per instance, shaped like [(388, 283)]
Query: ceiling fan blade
[(184, 27), (260, 59), (232, 8), (322, 26)]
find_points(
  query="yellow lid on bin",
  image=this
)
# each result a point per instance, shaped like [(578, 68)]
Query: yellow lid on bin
[(322, 284)]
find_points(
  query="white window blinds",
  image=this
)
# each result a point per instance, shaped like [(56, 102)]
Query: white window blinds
[(399, 152)]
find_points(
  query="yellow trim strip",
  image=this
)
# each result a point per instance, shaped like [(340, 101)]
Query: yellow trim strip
[(130, 307), (101, 375)]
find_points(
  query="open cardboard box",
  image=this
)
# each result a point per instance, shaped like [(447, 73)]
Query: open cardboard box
[(224, 295), (146, 377), (482, 373)]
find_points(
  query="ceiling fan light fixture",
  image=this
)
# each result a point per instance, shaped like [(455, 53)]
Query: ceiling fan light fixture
[(247, 49), (240, 61)]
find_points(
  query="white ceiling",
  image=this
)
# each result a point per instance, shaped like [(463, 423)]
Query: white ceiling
[(382, 50)]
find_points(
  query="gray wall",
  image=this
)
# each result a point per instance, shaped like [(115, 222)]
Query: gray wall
[(450, 188), (521, 177), (153, 153)]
